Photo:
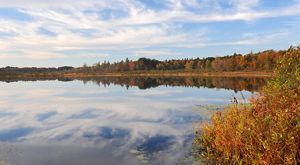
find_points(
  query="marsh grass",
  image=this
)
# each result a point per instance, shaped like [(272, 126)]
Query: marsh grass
[(265, 132)]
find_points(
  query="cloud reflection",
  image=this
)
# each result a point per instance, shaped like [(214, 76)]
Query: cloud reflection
[(155, 122)]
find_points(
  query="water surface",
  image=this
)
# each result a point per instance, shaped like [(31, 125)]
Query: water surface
[(108, 120)]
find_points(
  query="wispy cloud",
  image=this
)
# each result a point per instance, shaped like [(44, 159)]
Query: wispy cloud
[(245, 39), (125, 25), (151, 53), (92, 55)]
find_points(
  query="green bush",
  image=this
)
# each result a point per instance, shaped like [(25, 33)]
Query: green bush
[(266, 132)]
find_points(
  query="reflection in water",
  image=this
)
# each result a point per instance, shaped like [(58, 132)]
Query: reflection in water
[(234, 83), (55, 122), (148, 150), (14, 134)]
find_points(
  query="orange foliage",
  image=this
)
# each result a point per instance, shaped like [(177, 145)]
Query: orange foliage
[(265, 132)]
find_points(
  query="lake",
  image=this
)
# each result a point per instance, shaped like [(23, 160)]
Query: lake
[(109, 120)]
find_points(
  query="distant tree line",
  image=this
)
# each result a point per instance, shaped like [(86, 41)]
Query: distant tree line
[(261, 61), (17, 70)]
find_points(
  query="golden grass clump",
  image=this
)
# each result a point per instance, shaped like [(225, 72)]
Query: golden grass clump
[(265, 132)]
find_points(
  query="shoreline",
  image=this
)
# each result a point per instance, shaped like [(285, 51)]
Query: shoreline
[(140, 74), (174, 74)]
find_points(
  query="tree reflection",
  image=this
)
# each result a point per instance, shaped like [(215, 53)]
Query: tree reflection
[(252, 84), (233, 83)]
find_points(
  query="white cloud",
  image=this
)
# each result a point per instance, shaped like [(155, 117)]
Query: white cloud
[(92, 55), (42, 55), (248, 39), (149, 53), (242, 5), (79, 25)]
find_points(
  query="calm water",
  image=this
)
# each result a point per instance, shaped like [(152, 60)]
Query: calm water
[(108, 121)]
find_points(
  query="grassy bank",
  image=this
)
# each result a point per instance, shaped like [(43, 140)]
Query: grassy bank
[(267, 131), (139, 73), (179, 73)]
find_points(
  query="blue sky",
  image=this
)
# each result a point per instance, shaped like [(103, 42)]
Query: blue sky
[(74, 32)]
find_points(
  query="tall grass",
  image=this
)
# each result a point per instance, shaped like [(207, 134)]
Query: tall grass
[(265, 132)]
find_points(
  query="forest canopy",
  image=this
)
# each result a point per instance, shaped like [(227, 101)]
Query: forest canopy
[(261, 61)]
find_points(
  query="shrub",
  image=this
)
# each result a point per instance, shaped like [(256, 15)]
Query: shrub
[(266, 132)]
